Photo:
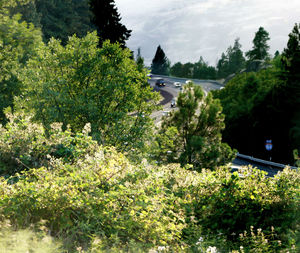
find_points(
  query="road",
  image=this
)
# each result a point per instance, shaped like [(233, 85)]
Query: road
[(169, 92)]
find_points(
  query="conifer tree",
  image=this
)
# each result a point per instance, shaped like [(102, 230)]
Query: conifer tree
[(160, 63), (260, 46), (107, 21), (192, 134)]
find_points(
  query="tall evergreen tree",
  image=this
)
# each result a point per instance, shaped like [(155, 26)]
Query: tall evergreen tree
[(107, 21), (291, 88), (192, 134), (160, 63), (260, 46), (63, 18), (140, 60), (232, 61), (236, 57)]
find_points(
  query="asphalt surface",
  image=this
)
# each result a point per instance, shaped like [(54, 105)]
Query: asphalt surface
[(169, 92)]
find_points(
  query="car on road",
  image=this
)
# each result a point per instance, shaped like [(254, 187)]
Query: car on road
[(188, 81), (173, 102), (160, 82), (177, 84)]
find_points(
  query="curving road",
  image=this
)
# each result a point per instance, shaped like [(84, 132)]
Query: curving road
[(170, 91)]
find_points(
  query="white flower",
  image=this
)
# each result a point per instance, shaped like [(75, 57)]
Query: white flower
[(212, 250), (161, 248), (199, 241)]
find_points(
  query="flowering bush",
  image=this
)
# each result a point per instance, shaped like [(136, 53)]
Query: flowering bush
[(93, 199)]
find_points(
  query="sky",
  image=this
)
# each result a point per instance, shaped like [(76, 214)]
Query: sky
[(188, 29)]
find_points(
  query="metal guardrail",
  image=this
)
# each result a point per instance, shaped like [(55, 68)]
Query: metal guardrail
[(278, 165)]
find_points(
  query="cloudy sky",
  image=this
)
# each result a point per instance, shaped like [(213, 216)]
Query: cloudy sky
[(188, 29)]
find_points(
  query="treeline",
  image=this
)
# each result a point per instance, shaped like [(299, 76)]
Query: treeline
[(232, 61), (265, 105), (63, 18)]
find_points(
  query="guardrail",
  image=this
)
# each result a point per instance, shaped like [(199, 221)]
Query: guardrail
[(278, 165)]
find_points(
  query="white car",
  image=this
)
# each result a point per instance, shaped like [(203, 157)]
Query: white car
[(188, 81), (177, 84)]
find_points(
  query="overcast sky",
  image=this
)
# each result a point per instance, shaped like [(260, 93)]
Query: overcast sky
[(188, 29)]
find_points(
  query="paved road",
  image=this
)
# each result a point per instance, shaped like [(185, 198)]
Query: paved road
[(170, 91)]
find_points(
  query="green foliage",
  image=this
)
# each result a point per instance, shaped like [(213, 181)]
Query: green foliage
[(24, 145), (160, 63), (140, 60), (63, 18), (291, 89), (97, 200), (192, 134), (81, 83), (260, 46), (198, 70), (231, 62), (265, 105), (106, 19), (18, 42)]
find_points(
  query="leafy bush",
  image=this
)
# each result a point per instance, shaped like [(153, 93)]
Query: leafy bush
[(92, 198), (25, 145)]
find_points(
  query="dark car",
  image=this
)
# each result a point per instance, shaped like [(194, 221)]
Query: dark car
[(160, 82)]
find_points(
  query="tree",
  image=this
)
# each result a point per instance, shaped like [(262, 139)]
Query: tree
[(291, 89), (140, 60), (236, 60), (192, 134), (107, 21), (63, 18), (177, 70), (232, 61), (160, 63), (82, 83), (260, 46), (18, 42)]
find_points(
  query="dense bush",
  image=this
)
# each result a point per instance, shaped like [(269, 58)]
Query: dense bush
[(93, 198)]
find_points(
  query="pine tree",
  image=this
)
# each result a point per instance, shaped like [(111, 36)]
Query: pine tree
[(107, 21), (160, 63), (140, 60), (63, 18), (236, 58), (192, 134), (260, 46), (291, 88)]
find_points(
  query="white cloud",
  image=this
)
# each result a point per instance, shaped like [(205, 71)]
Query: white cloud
[(188, 29)]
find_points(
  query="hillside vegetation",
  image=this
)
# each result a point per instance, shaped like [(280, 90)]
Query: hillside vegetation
[(92, 198)]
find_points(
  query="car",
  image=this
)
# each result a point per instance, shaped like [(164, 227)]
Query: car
[(177, 84), (188, 81), (173, 102), (160, 82)]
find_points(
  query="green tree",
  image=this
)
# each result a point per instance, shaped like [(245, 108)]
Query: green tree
[(260, 46), (81, 83), (28, 11), (291, 89), (192, 134), (232, 61), (236, 60), (63, 18), (177, 70), (203, 71), (222, 66), (140, 60), (160, 63), (107, 21), (18, 42)]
